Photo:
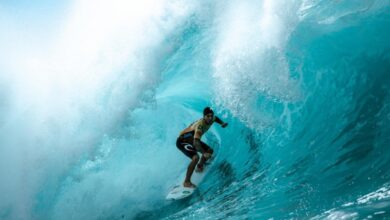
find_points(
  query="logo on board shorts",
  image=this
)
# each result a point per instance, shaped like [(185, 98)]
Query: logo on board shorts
[(189, 147)]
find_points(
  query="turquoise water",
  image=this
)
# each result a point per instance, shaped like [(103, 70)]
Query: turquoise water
[(304, 86)]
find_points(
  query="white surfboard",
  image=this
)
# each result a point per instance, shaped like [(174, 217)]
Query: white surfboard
[(178, 191)]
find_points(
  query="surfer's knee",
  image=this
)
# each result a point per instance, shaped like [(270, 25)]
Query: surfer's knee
[(195, 158), (211, 151)]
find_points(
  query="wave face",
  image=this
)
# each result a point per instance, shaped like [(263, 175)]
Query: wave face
[(90, 118)]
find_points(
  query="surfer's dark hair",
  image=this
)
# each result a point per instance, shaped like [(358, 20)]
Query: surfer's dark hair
[(207, 110)]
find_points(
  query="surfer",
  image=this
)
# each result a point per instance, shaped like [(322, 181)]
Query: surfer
[(189, 143)]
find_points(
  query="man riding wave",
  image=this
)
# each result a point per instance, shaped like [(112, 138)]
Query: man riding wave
[(189, 143)]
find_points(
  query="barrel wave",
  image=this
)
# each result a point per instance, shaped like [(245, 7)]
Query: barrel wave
[(91, 104)]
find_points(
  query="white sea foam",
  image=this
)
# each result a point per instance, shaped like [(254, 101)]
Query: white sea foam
[(65, 90), (249, 58)]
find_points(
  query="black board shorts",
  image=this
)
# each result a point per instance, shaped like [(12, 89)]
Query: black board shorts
[(189, 150)]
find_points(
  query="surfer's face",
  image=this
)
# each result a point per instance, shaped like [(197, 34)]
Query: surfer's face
[(208, 118)]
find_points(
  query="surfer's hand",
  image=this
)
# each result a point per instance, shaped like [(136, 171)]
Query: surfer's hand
[(224, 125), (207, 155)]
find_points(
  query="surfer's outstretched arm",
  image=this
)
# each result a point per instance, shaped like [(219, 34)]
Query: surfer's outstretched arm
[(219, 121)]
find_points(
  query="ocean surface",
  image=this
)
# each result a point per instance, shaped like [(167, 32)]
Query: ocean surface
[(93, 95)]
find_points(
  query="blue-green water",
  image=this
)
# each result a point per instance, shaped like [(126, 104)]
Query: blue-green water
[(304, 85)]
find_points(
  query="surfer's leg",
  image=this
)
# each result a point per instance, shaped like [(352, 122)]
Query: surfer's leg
[(190, 152), (186, 148), (203, 159), (190, 171), (206, 147)]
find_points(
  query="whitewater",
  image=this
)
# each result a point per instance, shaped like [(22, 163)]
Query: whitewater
[(93, 95)]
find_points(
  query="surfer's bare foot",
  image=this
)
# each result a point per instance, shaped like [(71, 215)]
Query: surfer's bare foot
[(189, 185)]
